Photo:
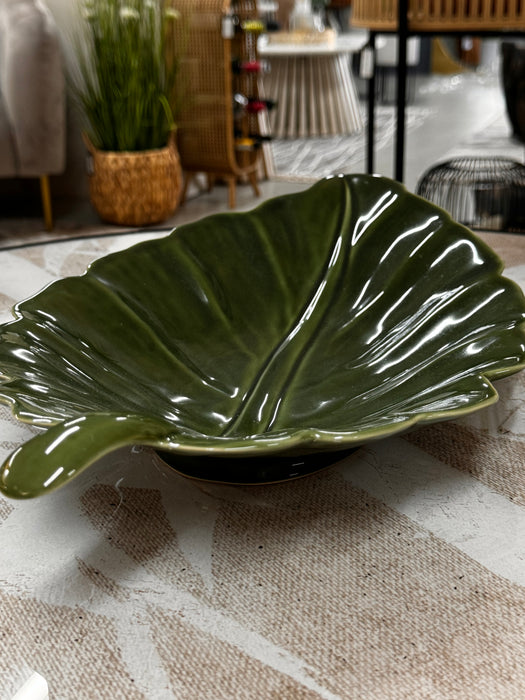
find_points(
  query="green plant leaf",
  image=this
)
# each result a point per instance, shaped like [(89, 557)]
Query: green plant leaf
[(317, 321)]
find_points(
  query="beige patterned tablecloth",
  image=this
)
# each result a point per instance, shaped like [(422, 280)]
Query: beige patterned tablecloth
[(397, 574)]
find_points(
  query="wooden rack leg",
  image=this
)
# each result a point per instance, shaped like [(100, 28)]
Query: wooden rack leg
[(252, 177), (232, 184), (45, 193)]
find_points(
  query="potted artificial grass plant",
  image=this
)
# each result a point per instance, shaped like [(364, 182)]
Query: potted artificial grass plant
[(125, 83)]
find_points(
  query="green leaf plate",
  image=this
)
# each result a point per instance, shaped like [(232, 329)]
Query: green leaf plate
[(312, 324)]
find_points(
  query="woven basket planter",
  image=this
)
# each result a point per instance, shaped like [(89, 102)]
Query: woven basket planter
[(135, 188)]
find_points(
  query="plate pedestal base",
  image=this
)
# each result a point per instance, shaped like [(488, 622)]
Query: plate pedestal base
[(250, 471)]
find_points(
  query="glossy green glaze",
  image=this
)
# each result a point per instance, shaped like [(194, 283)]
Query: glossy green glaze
[(316, 322)]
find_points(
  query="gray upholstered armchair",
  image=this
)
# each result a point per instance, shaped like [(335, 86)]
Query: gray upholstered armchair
[(32, 96)]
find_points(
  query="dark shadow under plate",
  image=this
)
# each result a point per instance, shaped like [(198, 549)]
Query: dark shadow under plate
[(250, 471)]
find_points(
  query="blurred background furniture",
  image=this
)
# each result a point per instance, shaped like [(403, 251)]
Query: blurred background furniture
[(32, 96), (482, 193), (513, 78), (313, 85), (407, 18), (387, 47), (219, 128), (283, 13)]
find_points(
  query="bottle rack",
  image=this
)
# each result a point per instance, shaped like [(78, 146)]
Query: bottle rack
[(218, 130)]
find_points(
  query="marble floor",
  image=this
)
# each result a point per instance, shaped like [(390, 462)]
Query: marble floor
[(464, 111)]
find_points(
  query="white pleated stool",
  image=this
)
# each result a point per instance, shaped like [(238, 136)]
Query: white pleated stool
[(313, 86)]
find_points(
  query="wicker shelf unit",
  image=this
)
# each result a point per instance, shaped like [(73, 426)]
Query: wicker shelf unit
[(208, 137)]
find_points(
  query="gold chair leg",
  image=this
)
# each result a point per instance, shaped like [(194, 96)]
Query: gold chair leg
[(46, 202)]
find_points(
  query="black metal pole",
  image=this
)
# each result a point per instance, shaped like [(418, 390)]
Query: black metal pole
[(371, 105), (402, 33)]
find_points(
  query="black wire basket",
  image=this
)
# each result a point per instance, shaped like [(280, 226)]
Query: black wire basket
[(480, 192)]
